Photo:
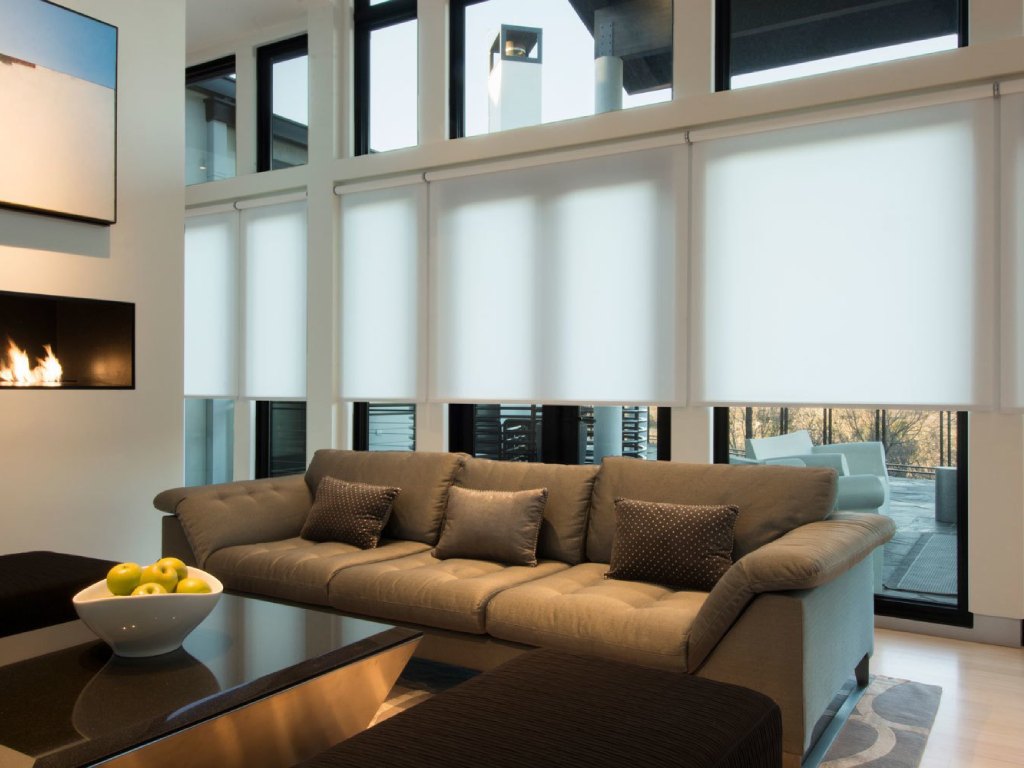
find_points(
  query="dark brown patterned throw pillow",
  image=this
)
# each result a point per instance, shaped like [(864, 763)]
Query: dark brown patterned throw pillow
[(683, 546), (353, 513)]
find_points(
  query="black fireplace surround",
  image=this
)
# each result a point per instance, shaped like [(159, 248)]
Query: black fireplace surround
[(94, 340)]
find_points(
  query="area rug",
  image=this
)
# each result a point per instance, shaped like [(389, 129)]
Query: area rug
[(929, 567), (888, 728)]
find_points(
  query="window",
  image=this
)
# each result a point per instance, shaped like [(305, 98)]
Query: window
[(280, 438), (761, 42), (523, 62), (245, 338), (919, 458), (209, 440), (282, 104), (384, 426), (386, 76), (210, 121), (558, 434)]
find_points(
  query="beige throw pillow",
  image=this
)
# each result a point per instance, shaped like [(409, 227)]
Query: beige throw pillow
[(353, 513), (682, 546), (501, 526)]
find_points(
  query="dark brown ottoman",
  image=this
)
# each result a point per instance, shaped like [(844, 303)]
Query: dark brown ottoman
[(36, 588), (548, 708)]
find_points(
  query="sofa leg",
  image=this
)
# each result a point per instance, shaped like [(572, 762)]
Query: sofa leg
[(862, 671)]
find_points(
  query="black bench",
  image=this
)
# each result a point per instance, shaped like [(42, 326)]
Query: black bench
[(36, 588), (548, 708)]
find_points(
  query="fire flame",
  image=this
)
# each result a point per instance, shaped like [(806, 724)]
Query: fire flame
[(16, 370)]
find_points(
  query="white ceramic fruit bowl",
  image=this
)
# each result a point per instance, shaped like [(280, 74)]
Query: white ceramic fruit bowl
[(146, 625)]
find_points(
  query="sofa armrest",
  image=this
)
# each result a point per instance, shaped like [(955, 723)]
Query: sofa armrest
[(863, 492), (804, 558), (243, 512)]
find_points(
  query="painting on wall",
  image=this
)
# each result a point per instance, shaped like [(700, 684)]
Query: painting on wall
[(58, 112)]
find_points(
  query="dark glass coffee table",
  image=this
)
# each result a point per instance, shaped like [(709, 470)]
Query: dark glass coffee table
[(258, 683)]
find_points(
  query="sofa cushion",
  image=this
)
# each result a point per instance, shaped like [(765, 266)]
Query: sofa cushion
[(772, 500), (580, 611), (448, 594), (353, 513), (423, 476), (296, 569), (676, 545), (565, 514), (492, 525)]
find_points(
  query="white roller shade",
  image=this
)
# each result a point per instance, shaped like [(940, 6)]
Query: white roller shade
[(383, 246), (211, 305), (275, 301), (1012, 110), (556, 283), (848, 263)]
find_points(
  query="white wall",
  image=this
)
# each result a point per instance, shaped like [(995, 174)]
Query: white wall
[(79, 469)]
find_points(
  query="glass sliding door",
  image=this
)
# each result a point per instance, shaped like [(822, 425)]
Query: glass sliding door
[(915, 463)]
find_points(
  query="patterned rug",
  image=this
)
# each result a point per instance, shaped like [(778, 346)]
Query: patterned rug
[(888, 728)]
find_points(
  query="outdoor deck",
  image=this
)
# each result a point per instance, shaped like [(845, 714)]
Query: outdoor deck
[(920, 561)]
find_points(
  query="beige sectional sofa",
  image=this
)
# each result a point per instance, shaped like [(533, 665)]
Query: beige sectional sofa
[(792, 617)]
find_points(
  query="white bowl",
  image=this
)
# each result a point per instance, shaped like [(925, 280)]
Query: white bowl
[(146, 625)]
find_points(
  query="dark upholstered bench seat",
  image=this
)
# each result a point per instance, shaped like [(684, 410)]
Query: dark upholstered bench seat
[(36, 588), (549, 708)]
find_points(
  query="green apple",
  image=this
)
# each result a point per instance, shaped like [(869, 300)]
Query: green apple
[(192, 585), (164, 575), (123, 578), (179, 567), (149, 588)]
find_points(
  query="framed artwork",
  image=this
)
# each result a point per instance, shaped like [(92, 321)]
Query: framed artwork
[(58, 99)]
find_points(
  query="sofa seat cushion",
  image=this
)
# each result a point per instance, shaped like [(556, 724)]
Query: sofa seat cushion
[(296, 569), (420, 589), (580, 611)]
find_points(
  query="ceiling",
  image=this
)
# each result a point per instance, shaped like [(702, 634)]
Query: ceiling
[(209, 23)]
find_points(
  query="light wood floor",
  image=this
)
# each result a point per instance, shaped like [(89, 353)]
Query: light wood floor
[(980, 723)]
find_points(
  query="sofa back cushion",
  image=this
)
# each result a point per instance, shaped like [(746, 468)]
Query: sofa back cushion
[(565, 514), (772, 500), (423, 478)]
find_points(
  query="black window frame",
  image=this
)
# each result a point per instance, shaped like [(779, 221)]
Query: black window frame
[(266, 57), (886, 605), (264, 430), (209, 70), (559, 432), (366, 20), (457, 67), (361, 426), (723, 14)]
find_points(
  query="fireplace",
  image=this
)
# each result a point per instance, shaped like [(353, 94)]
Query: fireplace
[(61, 342)]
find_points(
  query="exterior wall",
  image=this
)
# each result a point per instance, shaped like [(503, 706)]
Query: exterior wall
[(80, 468)]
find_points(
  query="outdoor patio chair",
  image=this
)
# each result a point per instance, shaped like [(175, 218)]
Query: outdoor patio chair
[(863, 477)]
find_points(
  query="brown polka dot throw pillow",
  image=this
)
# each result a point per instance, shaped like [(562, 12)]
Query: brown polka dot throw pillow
[(353, 513), (683, 546)]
